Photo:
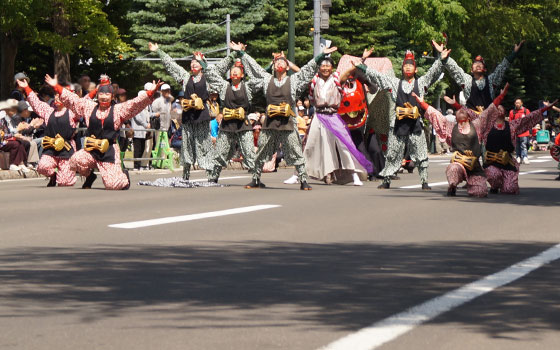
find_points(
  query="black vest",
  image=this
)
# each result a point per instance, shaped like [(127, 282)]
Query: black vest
[(500, 140), (103, 129), (469, 142), (479, 97), (274, 96), (408, 126), (235, 99), (193, 115), (60, 125)]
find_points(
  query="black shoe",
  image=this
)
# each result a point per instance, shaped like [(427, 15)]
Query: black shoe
[(384, 186), (371, 177), (426, 187), (125, 171), (494, 190), (52, 181), (410, 170), (255, 184), (305, 186), (89, 180), (558, 178), (213, 180), (395, 177), (451, 191)]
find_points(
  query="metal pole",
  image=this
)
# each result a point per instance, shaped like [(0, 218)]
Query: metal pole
[(316, 27), (228, 33), (291, 30)]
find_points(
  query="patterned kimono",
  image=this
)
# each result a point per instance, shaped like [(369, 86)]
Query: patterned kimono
[(403, 133), (483, 91), (329, 144), (109, 164), (505, 177), (280, 130), (197, 142), (232, 131), (62, 122), (467, 138)]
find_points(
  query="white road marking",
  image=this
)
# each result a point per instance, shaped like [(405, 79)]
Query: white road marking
[(541, 160), (545, 157), (29, 179), (212, 214), (445, 183), (224, 178), (381, 332)]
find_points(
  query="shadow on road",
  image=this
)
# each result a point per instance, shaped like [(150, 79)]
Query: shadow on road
[(347, 286)]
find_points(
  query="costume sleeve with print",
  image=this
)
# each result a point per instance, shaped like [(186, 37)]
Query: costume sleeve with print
[(258, 77), (180, 74), (79, 106), (495, 79), (383, 81), (127, 110), (430, 78), (458, 75), (521, 125), (215, 75), (442, 127)]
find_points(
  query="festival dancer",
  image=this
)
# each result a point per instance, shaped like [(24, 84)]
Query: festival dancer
[(330, 151), (502, 169), (197, 142), (103, 122), (281, 92), (236, 95), (58, 142), (406, 122), (465, 137), (479, 89)]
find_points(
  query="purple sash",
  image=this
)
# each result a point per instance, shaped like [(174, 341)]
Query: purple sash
[(335, 124)]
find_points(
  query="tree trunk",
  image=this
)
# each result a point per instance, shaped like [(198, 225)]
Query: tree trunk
[(61, 26), (9, 47)]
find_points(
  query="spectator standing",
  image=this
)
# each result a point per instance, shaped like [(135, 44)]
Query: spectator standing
[(522, 139), (162, 106), (215, 127), (140, 122)]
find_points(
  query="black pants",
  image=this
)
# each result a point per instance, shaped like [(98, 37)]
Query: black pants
[(138, 145), (369, 148)]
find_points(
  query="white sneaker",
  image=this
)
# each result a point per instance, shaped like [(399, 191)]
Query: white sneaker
[(14, 167), (526, 160), (24, 168), (518, 160), (292, 180), (357, 181)]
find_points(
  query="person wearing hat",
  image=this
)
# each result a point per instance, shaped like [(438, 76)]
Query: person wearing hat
[(8, 141), (103, 120), (479, 88), (236, 95), (407, 129), (197, 142), (17, 93), (281, 92), (60, 123), (161, 108)]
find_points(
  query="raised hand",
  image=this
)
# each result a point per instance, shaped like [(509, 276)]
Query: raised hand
[(51, 81), (153, 46), (237, 46), (22, 83), (439, 47), (505, 89), (367, 52), (450, 101), (157, 85), (418, 98), (445, 53), (329, 50), (518, 46)]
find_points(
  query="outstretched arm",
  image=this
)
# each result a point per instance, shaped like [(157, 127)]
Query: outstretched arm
[(499, 73), (127, 110), (178, 73), (488, 117), (521, 125), (79, 106), (42, 109), (372, 76), (442, 126)]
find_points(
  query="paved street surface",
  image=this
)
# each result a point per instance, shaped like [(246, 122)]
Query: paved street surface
[(304, 271)]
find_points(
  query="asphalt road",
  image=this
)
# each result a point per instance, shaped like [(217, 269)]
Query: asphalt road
[(318, 267)]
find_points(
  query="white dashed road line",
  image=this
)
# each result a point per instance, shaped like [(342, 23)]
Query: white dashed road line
[(379, 333), (182, 218)]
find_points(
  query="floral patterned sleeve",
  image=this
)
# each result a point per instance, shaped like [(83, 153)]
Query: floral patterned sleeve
[(384, 81), (254, 68), (42, 109), (301, 79), (127, 110), (442, 126), (431, 76), (520, 125), (79, 106), (180, 74), (485, 121), (215, 75), (462, 79), (495, 79)]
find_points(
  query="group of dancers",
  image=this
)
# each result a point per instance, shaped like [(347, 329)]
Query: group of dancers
[(330, 149)]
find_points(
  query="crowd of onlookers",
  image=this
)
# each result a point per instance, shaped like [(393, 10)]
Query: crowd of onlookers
[(21, 130)]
